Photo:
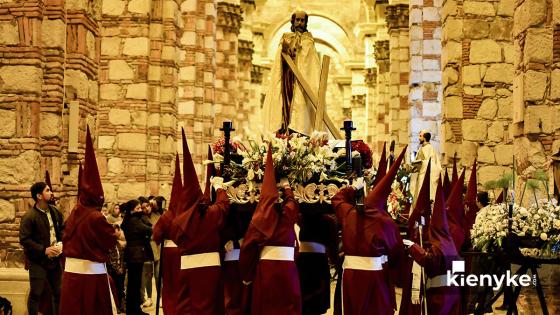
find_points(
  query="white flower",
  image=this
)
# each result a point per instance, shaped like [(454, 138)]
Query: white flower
[(250, 174), (544, 237)]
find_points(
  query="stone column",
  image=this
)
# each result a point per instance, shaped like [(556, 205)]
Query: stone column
[(124, 139), (245, 66), (197, 76), (227, 85), (370, 79), (383, 95), (536, 31), (397, 23), (477, 59), (425, 79)]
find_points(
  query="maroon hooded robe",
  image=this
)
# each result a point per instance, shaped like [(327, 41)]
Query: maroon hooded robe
[(441, 300), (197, 232), (422, 208), (276, 288), (456, 213), (88, 236), (171, 263), (369, 235)]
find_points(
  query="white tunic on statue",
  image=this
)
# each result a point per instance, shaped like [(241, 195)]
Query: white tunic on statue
[(424, 155), (307, 62)]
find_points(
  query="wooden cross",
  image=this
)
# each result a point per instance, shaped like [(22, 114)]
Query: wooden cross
[(317, 101)]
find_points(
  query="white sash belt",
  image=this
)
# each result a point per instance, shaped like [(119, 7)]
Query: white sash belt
[(277, 253), (88, 267), (312, 247), (437, 281), (232, 255), (200, 260), (364, 263), (169, 243), (85, 267)]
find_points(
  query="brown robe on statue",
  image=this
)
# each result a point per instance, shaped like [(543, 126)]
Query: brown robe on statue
[(88, 236), (371, 235), (276, 289)]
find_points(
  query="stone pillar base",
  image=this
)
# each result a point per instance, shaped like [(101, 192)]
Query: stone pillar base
[(14, 285)]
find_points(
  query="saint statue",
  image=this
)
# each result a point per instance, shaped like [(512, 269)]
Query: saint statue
[(286, 108), (420, 164)]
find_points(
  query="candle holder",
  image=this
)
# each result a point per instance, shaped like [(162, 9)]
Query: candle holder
[(348, 128)]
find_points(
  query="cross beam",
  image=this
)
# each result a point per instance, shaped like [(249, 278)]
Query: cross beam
[(315, 100)]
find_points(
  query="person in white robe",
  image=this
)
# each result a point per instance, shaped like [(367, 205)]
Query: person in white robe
[(286, 107), (420, 164)]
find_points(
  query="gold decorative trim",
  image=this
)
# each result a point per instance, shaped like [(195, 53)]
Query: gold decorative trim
[(310, 193)]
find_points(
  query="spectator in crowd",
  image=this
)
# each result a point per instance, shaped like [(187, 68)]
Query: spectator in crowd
[(115, 215), (40, 234), (137, 232), (116, 266)]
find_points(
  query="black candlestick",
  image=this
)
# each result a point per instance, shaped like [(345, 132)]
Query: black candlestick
[(227, 128), (348, 128)]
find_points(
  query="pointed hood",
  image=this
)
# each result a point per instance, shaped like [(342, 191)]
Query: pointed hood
[(210, 171), (423, 204), (500, 198), (48, 179), (470, 202), (52, 201), (455, 174), (446, 185), (439, 231), (377, 198), (177, 187), (265, 218), (191, 195), (191, 188), (456, 212), (382, 167), (91, 190), (80, 174)]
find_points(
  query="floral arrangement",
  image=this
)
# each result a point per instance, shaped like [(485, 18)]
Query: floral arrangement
[(365, 153), (539, 221), (302, 160), (235, 145), (399, 201)]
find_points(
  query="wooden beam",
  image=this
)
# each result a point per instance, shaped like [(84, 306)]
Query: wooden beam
[(319, 115), (309, 92)]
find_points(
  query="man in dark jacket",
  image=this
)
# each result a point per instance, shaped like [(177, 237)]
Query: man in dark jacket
[(40, 234)]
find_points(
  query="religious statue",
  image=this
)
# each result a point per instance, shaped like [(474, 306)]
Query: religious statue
[(420, 164), (286, 107)]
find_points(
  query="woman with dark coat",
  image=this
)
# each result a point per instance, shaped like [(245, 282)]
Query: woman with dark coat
[(137, 232)]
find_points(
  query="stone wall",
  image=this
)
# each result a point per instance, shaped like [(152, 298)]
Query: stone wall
[(536, 113), (383, 96), (399, 68), (477, 59), (425, 96), (37, 76), (137, 111)]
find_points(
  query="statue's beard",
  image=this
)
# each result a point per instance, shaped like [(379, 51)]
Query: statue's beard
[(301, 29)]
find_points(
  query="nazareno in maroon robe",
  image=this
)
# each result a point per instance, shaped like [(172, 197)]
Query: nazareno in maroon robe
[(275, 283), (371, 233), (171, 262), (88, 236), (422, 209), (437, 259), (196, 231)]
